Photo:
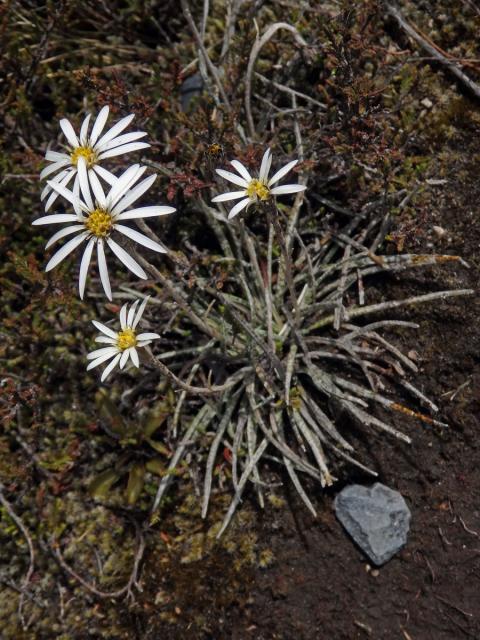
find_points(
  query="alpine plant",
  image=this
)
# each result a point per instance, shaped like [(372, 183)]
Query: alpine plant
[(99, 217), (93, 147), (255, 189), (123, 344), (287, 375)]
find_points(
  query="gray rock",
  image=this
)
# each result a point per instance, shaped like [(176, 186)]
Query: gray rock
[(190, 88), (376, 517)]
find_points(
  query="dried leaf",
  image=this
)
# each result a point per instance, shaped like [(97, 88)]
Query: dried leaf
[(136, 480), (101, 484)]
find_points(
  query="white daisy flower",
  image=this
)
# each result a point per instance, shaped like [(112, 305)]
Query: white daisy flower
[(93, 148), (255, 189), (98, 218), (123, 344)]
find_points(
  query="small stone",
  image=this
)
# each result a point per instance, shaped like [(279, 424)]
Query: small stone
[(191, 87), (427, 103), (376, 517), (439, 231), (433, 182)]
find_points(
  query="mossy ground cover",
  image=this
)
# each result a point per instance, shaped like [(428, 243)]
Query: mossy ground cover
[(384, 121)]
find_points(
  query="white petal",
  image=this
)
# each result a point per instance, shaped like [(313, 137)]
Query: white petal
[(123, 359), (243, 171), (64, 251), (126, 148), (131, 313), (127, 259), (145, 212), (134, 357), (123, 316), (147, 336), (68, 195), (93, 355), (238, 207), (56, 218), (134, 194), (53, 167), (119, 140), (231, 195), (231, 177), (99, 125), (115, 130), (123, 183), (106, 330), (87, 254), (64, 232), (55, 156), (110, 367), (97, 189), (140, 238), (70, 134), (76, 193), (102, 267), (140, 311), (84, 184), (287, 188), (59, 179), (282, 172), (84, 130), (106, 340), (95, 363), (47, 188), (265, 166), (104, 174), (143, 343)]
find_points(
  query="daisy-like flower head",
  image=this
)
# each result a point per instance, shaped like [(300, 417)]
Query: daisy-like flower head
[(255, 190), (92, 148), (123, 344), (99, 217)]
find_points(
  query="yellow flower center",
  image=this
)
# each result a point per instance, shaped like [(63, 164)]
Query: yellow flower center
[(214, 149), (126, 339), (258, 190), (84, 152), (99, 223)]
